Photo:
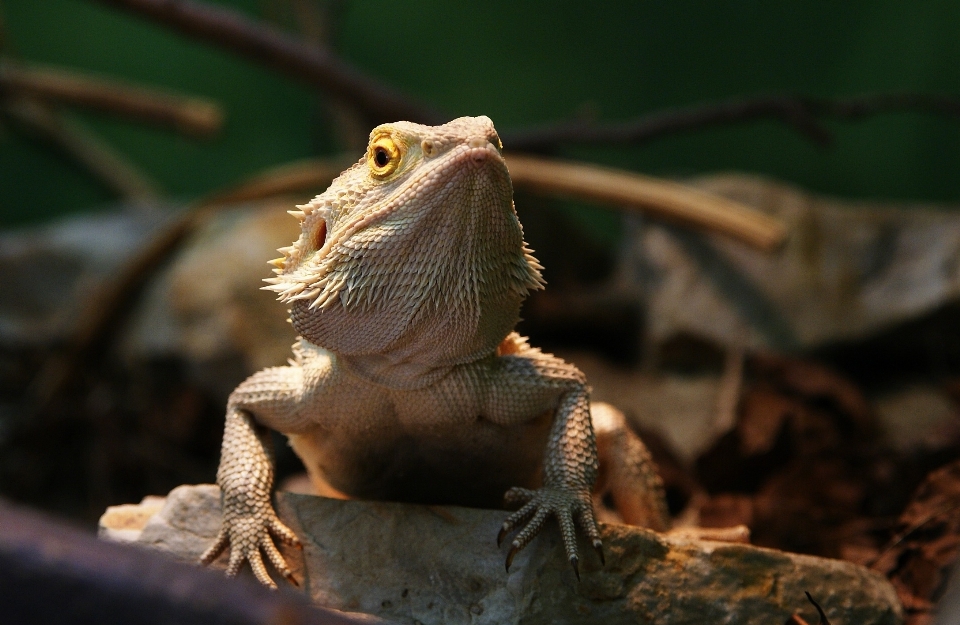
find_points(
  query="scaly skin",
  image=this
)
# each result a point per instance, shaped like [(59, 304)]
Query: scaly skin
[(408, 383)]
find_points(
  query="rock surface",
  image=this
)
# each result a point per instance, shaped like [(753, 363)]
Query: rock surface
[(847, 270), (419, 564)]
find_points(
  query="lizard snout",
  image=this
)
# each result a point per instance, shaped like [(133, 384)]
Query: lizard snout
[(481, 149)]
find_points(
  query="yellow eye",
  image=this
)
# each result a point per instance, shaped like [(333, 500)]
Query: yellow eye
[(383, 156)]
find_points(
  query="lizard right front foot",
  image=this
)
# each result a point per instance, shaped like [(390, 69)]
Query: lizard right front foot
[(571, 507), (246, 532)]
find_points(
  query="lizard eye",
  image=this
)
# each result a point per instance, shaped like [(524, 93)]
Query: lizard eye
[(383, 156)]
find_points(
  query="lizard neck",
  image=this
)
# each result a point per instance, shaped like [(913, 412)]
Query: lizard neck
[(412, 350), (382, 371)]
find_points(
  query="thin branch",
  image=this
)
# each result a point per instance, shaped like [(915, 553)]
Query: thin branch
[(667, 200), (110, 167), (190, 115), (805, 115), (271, 47)]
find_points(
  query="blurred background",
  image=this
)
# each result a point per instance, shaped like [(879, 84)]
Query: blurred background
[(805, 389)]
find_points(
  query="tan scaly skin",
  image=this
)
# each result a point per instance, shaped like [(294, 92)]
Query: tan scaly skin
[(409, 272)]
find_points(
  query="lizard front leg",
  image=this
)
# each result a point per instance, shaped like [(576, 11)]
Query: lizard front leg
[(245, 477), (570, 469), (527, 381), (273, 397)]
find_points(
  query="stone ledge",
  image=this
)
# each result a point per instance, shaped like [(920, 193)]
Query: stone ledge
[(421, 564)]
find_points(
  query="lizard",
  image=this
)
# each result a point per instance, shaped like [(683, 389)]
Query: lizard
[(408, 381)]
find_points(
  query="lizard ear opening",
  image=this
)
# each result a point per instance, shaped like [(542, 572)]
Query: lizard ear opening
[(319, 235)]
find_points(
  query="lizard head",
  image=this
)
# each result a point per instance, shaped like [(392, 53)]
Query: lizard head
[(422, 230)]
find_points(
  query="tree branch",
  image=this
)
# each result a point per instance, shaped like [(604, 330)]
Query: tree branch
[(190, 115), (264, 44), (667, 200), (805, 115)]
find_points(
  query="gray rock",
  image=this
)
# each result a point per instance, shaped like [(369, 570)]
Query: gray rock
[(206, 306), (849, 269), (51, 274), (186, 524), (423, 564)]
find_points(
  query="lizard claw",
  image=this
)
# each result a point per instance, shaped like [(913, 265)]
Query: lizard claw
[(504, 530), (598, 547), (570, 506), (514, 550)]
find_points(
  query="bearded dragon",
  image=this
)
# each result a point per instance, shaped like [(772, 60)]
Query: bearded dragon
[(408, 382)]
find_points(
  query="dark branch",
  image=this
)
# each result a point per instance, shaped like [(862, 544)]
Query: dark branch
[(57, 575), (266, 45), (805, 115), (190, 115)]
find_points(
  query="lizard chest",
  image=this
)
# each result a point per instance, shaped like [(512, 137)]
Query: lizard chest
[(467, 461)]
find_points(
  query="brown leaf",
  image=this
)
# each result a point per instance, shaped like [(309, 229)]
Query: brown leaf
[(816, 381), (763, 414)]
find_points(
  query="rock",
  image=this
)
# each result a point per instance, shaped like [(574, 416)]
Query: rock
[(207, 307), (51, 274), (125, 523), (424, 564), (186, 524), (918, 417), (848, 270)]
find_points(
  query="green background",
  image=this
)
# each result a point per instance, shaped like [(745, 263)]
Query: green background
[(522, 63)]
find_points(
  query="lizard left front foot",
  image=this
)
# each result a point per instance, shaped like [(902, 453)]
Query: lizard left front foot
[(572, 507)]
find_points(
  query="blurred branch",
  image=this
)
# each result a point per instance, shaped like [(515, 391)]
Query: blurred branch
[(805, 115), (667, 200), (271, 47), (101, 160), (57, 575), (193, 116)]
